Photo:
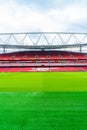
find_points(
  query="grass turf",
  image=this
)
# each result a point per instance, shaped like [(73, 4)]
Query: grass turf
[(44, 81), (48, 107), (43, 111)]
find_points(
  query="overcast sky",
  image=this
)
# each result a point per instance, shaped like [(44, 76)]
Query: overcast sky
[(43, 15)]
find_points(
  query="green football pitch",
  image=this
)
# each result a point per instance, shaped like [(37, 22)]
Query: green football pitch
[(43, 111), (43, 81), (43, 101)]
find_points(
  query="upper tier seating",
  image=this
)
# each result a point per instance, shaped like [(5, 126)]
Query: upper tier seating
[(39, 55)]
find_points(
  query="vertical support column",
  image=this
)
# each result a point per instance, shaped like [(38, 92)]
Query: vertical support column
[(42, 49), (80, 48), (4, 50)]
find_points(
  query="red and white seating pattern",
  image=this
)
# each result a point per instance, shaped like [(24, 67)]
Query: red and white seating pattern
[(43, 61), (45, 55), (41, 69)]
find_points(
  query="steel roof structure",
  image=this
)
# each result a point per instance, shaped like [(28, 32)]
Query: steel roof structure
[(42, 40)]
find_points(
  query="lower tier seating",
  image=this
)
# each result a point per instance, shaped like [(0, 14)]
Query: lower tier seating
[(44, 69)]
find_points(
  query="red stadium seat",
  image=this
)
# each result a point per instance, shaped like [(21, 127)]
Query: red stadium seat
[(43, 61)]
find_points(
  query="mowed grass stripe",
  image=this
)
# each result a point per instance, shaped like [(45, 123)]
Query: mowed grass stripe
[(43, 81), (21, 81), (43, 111), (65, 81)]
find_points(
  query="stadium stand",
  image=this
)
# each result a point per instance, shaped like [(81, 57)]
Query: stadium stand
[(43, 61)]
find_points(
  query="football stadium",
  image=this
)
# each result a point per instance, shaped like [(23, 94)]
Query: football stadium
[(43, 81)]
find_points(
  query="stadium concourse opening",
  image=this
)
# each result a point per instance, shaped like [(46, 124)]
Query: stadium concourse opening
[(41, 51)]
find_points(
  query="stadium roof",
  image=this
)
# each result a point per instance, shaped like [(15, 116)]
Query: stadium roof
[(42, 40)]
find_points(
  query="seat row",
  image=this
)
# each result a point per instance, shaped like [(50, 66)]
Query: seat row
[(41, 69), (40, 64), (39, 55)]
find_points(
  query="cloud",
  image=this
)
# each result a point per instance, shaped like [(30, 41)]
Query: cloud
[(16, 17)]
